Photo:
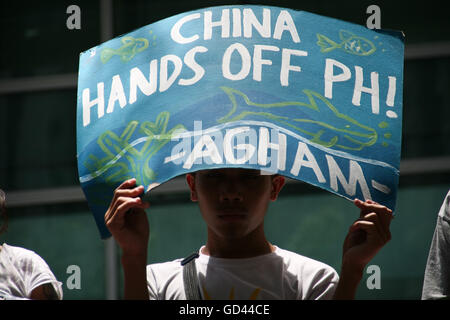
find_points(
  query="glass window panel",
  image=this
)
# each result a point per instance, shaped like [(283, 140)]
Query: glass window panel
[(426, 108), (36, 40), (38, 140)]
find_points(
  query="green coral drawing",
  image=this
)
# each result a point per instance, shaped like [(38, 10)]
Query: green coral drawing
[(153, 38), (345, 132), (350, 43), (122, 159), (131, 46)]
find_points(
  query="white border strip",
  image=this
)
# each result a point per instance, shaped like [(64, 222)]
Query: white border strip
[(39, 83), (427, 50)]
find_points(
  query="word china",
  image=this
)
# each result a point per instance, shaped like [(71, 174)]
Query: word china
[(241, 23)]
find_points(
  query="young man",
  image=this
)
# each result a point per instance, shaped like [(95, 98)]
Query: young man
[(237, 261)]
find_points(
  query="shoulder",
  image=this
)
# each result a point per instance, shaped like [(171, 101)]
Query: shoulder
[(32, 268), (17, 250), (300, 259), (21, 255), (444, 211), (314, 279), (165, 280), (163, 271), (173, 265), (306, 266)]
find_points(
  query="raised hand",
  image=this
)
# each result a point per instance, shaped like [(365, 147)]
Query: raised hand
[(368, 234), (127, 220)]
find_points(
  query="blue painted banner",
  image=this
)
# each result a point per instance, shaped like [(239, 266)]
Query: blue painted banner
[(283, 91)]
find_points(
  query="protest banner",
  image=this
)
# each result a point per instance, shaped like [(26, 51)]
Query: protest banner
[(283, 91)]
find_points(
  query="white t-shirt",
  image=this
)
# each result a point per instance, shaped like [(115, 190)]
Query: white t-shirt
[(281, 274), (436, 282), (22, 271)]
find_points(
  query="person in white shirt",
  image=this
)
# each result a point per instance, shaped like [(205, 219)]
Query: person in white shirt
[(278, 275), (24, 275), (237, 261), (436, 282)]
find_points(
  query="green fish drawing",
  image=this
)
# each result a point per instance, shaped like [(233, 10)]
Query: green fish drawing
[(122, 159), (351, 43), (339, 132), (131, 46)]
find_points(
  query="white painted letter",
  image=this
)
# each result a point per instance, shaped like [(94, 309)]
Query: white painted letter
[(391, 91), (245, 59), (258, 61), (175, 32), (224, 23), (356, 175), (87, 104), (330, 77), (237, 29), (250, 21), (248, 148), (138, 80), (285, 22), (211, 152), (189, 60), (165, 82), (310, 162), (374, 90), (278, 162), (286, 64), (117, 93)]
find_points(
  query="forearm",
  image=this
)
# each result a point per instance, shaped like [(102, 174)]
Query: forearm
[(135, 277), (349, 280)]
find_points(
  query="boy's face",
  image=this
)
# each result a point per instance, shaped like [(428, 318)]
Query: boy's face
[(233, 202)]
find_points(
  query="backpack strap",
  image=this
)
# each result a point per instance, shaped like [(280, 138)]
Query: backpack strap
[(190, 280)]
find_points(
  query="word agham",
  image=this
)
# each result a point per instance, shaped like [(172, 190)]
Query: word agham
[(268, 147)]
